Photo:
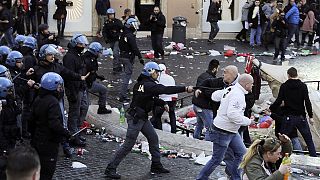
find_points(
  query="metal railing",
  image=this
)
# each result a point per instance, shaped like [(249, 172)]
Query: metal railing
[(318, 83)]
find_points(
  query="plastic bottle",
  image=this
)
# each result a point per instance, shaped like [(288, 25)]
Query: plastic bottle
[(286, 161), (122, 115)]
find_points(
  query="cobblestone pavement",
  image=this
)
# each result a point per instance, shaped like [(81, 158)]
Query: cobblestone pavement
[(185, 72)]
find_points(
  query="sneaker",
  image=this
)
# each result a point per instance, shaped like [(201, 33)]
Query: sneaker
[(77, 142), (211, 41), (104, 110), (112, 173), (82, 138), (158, 169), (238, 39)]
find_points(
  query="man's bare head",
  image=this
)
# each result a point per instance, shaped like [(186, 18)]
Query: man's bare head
[(246, 81), (230, 73)]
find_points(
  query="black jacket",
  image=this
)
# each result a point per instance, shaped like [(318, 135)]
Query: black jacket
[(280, 28), (29, 60), (92, 66), (158, 23), (255, 20), (47, 118), (5, 14), (146, 93), (213, 12), (74, 62), (102, 6), (43, 6), (128, 45), (202, 101), (112, 30), (61, 8), (295, 95), (43, 39)]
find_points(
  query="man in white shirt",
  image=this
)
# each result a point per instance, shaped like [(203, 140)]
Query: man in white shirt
[(225, 134), (166, 80)]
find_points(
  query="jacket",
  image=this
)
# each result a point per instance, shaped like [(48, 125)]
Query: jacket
[(213, 12), (292, 16), (74, 62), (146, 94), (158, 23), (295, 95), (29, 60), (245, 11), (112, 30), (309, 22), (167, 80), (230, 115), (128, 45), (207, 79), (268, 10), (5, 14), (48, 120), (61, 8), (43, 39), (91, 62), (254, 18), (256, 169), (102, 6), (280, 28), (43, 6)]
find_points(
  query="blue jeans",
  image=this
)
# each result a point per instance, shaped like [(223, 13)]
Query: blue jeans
[(8, 37), (296, 145), (204, 119), (102, 90), (224, 142), (292, 29), (116, 53), (255, 35), (128, 68), (214, 30)]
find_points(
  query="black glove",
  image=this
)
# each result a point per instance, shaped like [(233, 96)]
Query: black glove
[(141, 61), (101, 77)]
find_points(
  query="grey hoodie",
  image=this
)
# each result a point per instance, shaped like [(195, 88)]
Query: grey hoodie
[(245, 10)]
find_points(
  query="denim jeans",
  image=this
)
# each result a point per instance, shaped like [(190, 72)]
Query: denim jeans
[(204, 119), (101, 20), (255, 36), (157, 40), (301, 123), (292, 29), (214, 30), (77, 111), (116, 53), (8, 37), (296, 145), (223, 143), (128, 68), (145, 127), (102, 90)]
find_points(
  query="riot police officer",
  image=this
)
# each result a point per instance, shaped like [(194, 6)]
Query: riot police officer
[(18, 42), (49, 129), (128, 51), (91, 61), (111, 32), (76, 90), (4, 51), (145, 95)]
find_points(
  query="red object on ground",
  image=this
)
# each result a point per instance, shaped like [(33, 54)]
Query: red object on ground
[(149, 56), (85, 124), (264, 125), (180, 120), (228, 53), (191, 114), (249, 64)]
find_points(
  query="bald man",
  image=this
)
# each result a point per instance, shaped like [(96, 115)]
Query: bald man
[(230, 117)]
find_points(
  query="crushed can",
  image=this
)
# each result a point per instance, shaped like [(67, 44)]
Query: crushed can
[(80, 152)]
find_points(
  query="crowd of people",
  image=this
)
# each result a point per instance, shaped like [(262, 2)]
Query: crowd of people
[(35, 77)]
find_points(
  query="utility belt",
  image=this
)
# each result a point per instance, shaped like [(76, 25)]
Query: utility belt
[(138, 114)]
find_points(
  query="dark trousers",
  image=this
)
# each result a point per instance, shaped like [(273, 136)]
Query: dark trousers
[(291, 122), (19, 26), (145, 127), (126, 76), (30, 18), (44, 16), (280, 45), (48, 154), (157, 40), (293, 29), (61, 24), (243, 32), (157, 114), (310, 39), (214, 30)]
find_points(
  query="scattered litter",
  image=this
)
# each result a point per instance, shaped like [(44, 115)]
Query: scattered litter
[(213, 53), (202, 159), (149, 55), (229, 53), (173, 53), (189, 57), (182, 67), (241, 59), (296, 170), (99, 63), (77, 165), (226, 47), (110, 86)]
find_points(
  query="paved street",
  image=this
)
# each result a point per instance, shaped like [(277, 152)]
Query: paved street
[(185, 72)]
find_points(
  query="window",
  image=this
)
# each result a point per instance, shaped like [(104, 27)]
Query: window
[(147, 2)]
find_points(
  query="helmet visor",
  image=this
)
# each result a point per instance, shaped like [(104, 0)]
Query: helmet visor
[(82, 40)]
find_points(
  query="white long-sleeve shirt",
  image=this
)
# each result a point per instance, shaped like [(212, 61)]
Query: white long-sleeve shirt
[(230, 115), (167, 80)]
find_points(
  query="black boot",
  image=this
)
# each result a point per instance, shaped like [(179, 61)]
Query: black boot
[(157, 168), (112, 173), (103, 110), (77, 142)]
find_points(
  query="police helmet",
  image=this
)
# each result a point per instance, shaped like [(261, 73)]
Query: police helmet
[(14, 57), (50, 81), (111, 11), (5, 87), (149, 68), (43, 27), (20, 39), (95, 48), (48, 49), (30, 42), (132, 22), (4, 72), (79, 39), (4, 50)]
